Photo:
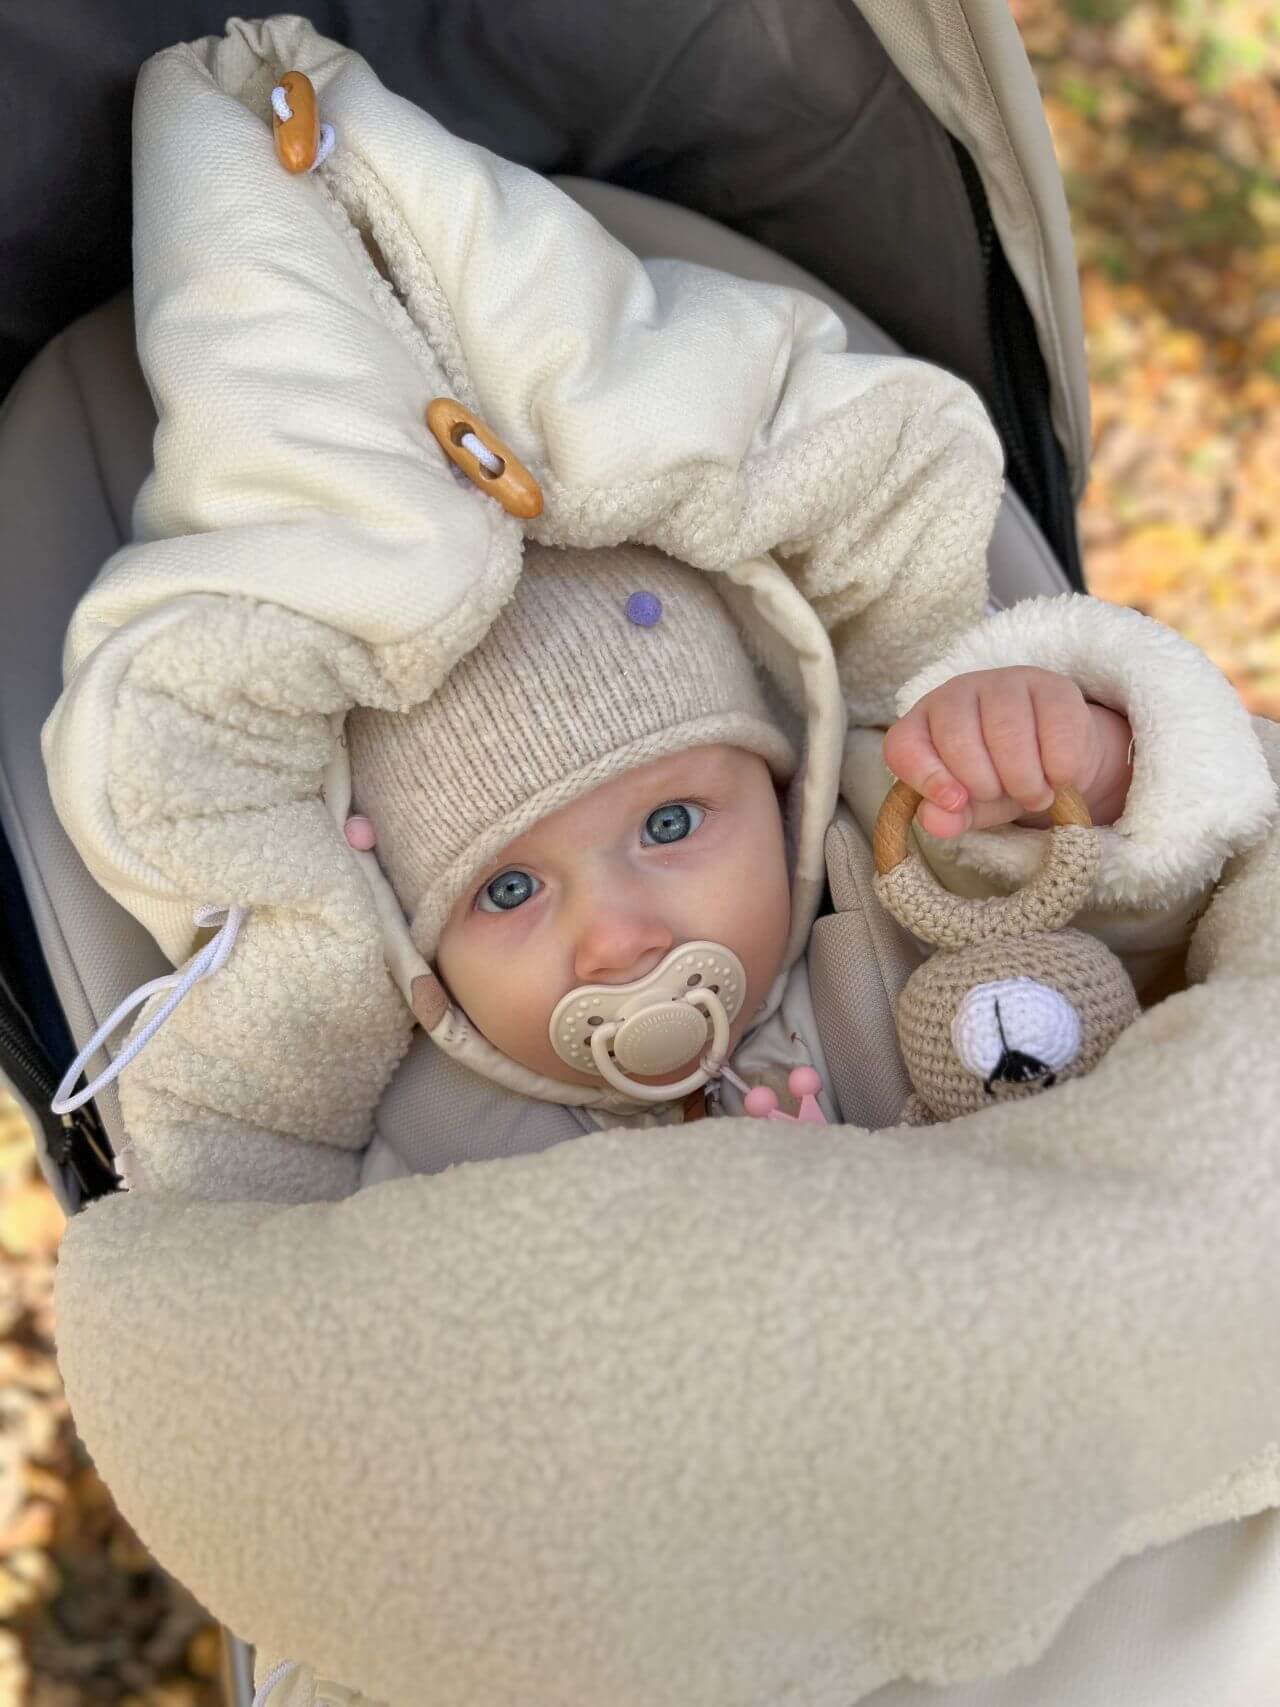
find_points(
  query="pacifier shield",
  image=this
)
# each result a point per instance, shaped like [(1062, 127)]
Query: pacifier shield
[(611, 1010), (660, 1038)]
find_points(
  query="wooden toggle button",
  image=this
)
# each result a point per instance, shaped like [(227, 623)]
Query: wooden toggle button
[(512, 484), (297, 138)]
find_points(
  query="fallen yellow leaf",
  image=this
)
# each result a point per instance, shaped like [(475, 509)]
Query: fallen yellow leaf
[(31, 1223)]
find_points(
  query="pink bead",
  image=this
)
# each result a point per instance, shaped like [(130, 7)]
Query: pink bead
[(359, 833), (760, 1102), (804, 1082)]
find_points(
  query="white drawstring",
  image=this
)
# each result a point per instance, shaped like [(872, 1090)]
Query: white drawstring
[(284, 112), (210, 958), (272, 1678), (492, 464), (727, 1072)]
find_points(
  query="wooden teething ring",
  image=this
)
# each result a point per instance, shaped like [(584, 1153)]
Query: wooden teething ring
[(893, 821)]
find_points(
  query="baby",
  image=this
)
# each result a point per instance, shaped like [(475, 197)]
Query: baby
[(608, 777)]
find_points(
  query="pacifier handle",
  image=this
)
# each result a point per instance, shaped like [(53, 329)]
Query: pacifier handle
[(893, 822), (613, 1074)]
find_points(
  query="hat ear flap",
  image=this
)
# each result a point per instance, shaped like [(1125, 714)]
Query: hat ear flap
[(1057, 890)]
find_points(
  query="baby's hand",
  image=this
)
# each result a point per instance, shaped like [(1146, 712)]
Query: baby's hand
[(993, 746)]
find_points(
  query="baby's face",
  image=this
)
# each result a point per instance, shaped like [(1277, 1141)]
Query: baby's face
[(599, 892)]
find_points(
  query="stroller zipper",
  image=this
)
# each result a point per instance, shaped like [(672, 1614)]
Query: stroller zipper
[(1017, 392), (76, 1141), (1003, 407), (18, 1049)]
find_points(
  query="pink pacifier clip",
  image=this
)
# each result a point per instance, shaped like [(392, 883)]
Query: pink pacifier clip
[(761, 1103)]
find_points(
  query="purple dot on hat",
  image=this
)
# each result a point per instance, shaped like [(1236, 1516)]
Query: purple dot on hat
[(644, 609)]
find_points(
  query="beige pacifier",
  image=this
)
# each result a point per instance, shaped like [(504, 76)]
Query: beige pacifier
[(683, 1008)]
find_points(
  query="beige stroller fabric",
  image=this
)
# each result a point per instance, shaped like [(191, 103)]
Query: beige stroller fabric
[(727, 1415)]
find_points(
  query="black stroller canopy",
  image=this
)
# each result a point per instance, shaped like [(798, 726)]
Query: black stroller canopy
[(785, 120)]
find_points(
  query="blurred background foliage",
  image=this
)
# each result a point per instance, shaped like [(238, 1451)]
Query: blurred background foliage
[(1165, 115), (1166, 119)]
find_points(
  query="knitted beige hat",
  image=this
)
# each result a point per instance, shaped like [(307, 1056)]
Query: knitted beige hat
[(601, 661)]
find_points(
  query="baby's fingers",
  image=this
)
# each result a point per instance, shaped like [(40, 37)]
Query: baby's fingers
[(1007, 712), (910, 754)]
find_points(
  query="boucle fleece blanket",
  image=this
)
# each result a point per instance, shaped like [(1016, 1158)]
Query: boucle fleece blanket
[(725, 1416)]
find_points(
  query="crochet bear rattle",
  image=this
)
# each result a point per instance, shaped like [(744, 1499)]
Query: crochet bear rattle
[(1012, 1002)]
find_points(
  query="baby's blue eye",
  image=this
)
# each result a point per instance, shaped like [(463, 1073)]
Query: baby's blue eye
[(510, 890), (671, 823)]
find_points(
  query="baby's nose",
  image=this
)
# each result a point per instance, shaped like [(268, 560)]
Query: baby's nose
[(613, 947)]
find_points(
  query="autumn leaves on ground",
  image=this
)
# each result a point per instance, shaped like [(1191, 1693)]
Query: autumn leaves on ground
[(85, 1615), (1166, 121), (1166, 118)]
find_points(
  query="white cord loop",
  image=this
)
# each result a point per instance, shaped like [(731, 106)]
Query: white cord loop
[(484, 456), (272, 1678), (210, 958)]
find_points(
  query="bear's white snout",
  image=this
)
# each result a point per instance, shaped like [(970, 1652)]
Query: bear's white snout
[(1011, 1018)]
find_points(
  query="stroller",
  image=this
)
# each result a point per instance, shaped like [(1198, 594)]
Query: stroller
[(836, 150)]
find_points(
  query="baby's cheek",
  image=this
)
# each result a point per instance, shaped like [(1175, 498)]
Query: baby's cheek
[(524, 1014), (756, 919), (467, 973), (507, 991)]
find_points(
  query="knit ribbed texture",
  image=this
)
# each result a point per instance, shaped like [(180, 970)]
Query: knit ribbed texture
[(564, 693)]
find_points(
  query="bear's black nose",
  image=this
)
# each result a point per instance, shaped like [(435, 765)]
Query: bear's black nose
[(1015, 1068)]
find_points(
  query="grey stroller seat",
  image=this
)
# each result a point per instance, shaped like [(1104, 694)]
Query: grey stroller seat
[(82, 410), (974, 176), (75, 446)]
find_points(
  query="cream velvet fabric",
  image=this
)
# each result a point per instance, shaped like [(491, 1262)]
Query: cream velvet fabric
[(727, 1415)]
